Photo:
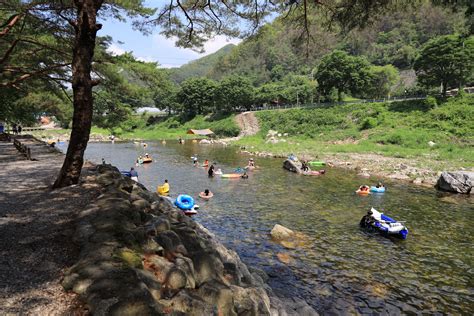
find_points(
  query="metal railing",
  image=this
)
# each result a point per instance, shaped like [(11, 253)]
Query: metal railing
[(331, 104)]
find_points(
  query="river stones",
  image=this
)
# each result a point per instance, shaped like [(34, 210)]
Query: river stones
[(252, 301), (280, 232), (186, 265), (175, 279), (141, 205), (171, 243), (149, 279), (219, 295), (364, 174), (284, 258), (207, 266)]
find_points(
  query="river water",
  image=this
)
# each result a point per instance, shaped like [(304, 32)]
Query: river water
[(339, 269)]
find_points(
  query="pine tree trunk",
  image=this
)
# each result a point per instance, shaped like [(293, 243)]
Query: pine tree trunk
[(83, 52)]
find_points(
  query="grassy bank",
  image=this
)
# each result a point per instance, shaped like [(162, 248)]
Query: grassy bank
[(401, 129), (172, 128), (167, 128)]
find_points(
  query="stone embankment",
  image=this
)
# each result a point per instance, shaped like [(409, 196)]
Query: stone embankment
[(141, 256)]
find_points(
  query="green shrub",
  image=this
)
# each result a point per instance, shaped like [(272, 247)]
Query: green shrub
[(369, 123), (431, 102)]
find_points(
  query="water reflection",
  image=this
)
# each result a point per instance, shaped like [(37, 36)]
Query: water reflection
[(341, 269)]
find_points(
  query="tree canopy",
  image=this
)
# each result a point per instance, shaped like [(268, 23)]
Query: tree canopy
[(344, 73), (447, 61)]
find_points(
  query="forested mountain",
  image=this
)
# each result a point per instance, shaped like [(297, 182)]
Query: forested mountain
[(277, 50), (199, 67)]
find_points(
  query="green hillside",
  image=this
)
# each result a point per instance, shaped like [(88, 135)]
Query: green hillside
[(399, 129), (199, 67), (278, 49)]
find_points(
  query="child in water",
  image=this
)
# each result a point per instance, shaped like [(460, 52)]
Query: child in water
[(210, 172)]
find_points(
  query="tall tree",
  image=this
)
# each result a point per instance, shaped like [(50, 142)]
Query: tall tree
[(233, 93), (447, 61), (347, 74), (197, 96), (382, 80)]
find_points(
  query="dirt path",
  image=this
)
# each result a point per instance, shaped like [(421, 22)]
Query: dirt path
[(36, 228), (248, 124)]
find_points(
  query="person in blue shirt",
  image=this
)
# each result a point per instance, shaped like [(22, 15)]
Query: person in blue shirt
[(134, 174)]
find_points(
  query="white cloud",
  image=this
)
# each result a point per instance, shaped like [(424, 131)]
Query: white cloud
[(168, 66), (146, 59), (116, 50)]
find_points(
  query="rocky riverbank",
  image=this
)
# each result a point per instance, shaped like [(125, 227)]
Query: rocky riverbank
[(367, 165), (141, 256)]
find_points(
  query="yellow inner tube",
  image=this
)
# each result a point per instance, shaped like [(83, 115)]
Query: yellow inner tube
[(163, 191)]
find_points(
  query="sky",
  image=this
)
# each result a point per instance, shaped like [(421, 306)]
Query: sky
[(155, 47)]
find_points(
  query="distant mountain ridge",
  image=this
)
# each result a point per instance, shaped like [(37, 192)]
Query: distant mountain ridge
[(200, 67), (278, 49)]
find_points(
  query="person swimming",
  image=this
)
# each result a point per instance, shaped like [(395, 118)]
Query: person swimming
[(210, 172), (164, 189), (251, 163)]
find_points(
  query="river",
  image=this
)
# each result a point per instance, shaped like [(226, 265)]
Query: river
[(339, 269)]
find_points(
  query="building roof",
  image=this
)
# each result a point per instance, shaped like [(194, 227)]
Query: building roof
[(203, 132)]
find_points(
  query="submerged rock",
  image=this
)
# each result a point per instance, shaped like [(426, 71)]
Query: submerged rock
[(284, 257), (364, 174), (457, 182), (280, 232)]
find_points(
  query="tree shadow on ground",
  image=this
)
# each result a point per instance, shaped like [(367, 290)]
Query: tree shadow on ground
[(37, 226)]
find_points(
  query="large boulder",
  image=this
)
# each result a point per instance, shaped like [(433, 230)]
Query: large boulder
[(293, 166), (458, 182)]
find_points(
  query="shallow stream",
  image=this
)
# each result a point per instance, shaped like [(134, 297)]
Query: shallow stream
[(339, 269)]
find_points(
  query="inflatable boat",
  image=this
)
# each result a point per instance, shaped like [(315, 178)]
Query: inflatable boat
[(313, 173), (184, 202), (192, 211), (317, 163), (231, 175), (147, 160), (125, 173), (162, 190), (203, 196), (377, 190), (376, 221)]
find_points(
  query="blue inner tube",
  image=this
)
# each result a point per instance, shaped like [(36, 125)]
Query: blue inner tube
[(184, 202), (126, 173), (377, 190)]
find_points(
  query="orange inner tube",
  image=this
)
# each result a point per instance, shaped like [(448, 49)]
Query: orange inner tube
[(206, 197)]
